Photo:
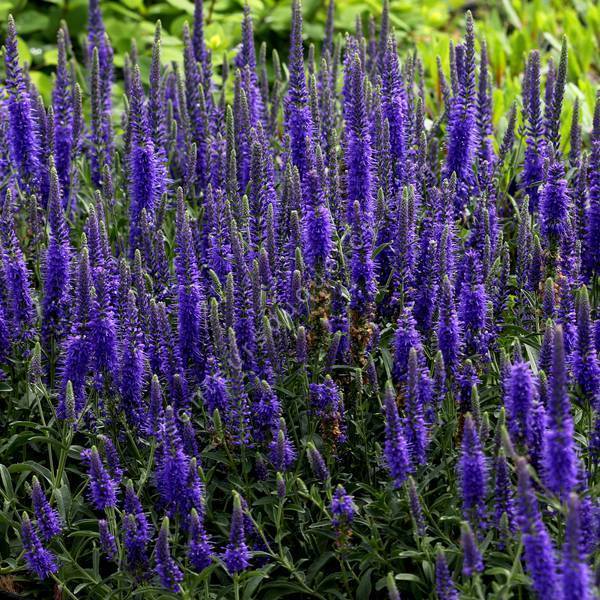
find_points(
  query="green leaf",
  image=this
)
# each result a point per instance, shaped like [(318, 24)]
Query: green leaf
[(31, 466), (317, 566), (7, 482), (31, 21), (24, 53), (511, 14), (253, 583), (184, 5), (134, 4), (363, 591)]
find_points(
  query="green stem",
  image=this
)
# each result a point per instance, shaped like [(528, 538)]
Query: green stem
[(38, 402), (112, 525), (64, 452), (76, 565), (236, 587), (63, 587), (279, 536), (345, 576), (148, 466)]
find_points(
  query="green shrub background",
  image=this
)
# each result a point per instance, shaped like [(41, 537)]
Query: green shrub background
[(511, 28)]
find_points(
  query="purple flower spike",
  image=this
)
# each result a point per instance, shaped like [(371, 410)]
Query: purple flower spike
[(359, 209), (416, 510), (554, 204), (39, 560), (560, 460), (48, 519), (473, 306), (592, 235), (237, 554), (462, 126), (214, 390), (100, 61), (23, 139), (297, 112), (473, 473), (4, 338), (135, 541), (199, 548), (267, 410), (169, 573), (108, 543), (576, 576), (318, 228), (172, 463), (417, 388), (396, 449), (472, 560), (503, 491), (395, 109), (281, 449), (328, 405), (246, 58), (132, 364), (189, 289), (103, 333), (317, 463), (534, 129), (520, 393), (103, 491), (343, 509), (448, 329), (539, 553), (198, 34), (405, 338), (55, 304), (62, 102), (584, 359), (15, 274), (196, 109), (444, 586), (485, 151), (144, 187), (77, 350)]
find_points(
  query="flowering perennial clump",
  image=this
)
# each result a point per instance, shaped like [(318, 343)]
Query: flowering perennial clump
[(254, 297)]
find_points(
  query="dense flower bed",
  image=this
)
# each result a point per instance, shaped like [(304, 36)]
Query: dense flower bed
[(314, 331)]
